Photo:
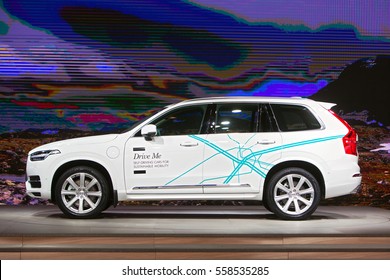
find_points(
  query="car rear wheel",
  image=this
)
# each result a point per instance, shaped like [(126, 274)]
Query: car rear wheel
[(82, 192), (293, 194)]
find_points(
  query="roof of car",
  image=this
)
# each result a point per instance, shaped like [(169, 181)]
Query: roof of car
[(289, 100), (245, 99)]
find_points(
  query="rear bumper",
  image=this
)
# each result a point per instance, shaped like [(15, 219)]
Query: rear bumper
[(344, 179)]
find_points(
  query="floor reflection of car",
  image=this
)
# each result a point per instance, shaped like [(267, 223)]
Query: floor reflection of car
[(287, 152)]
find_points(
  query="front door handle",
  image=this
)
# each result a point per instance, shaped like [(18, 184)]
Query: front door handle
[(266, 142), (189, 144)]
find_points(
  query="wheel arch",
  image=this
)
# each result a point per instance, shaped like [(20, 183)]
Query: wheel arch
[(314, 170), (88, 163)]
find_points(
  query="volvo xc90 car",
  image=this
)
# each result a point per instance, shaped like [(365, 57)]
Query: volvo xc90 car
[(287, 152)]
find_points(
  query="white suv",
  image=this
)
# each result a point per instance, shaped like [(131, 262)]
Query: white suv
[(287, 152)]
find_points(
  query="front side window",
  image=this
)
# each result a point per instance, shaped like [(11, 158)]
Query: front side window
[(182, 121), (238, 118), (294, 118)]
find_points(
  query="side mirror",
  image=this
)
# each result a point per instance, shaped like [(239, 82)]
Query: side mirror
[(149, 131)]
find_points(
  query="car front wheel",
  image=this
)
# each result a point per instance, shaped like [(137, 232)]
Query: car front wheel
[(293, 194), (82, 192)]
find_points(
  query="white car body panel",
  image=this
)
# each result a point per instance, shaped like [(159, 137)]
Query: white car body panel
[(235, 162), (162, 161)]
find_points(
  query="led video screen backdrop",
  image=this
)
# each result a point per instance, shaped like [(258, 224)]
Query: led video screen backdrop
[(101, 65)]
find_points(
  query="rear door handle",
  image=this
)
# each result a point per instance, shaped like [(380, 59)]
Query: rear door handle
[(266, 142), (189, 144)]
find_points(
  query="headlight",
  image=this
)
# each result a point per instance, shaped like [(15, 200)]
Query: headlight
[(42, 155)]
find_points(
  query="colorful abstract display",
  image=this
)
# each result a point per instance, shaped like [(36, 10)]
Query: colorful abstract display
[(100, 65)]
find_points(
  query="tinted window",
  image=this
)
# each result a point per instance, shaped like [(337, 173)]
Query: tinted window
[(294, 118), (183, 121), (236, 118), (266, 121)]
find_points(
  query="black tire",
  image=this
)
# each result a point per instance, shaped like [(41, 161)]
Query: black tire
[(265, 204), (293, 194), (82, 192)]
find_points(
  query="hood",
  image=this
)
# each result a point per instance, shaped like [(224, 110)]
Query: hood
[(89, 140)]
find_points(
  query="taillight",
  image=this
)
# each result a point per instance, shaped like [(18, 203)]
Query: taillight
[(350, 139), (349, 142)]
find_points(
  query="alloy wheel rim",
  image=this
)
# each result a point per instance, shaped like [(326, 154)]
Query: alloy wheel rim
[(294, 194), (81, 193)]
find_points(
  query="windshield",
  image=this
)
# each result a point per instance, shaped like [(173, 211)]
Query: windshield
[(152, 113)]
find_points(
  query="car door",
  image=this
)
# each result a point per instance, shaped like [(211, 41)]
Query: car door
[(240, 149), (168, 162)]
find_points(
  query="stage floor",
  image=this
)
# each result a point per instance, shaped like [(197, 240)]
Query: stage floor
[(188, 232), (193, 220)]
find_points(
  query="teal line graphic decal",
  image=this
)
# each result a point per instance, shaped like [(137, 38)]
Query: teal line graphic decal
[(246, 156)]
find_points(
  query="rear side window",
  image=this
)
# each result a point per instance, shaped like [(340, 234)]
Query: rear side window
[(266, 120), (236, 118), (294, 117)]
